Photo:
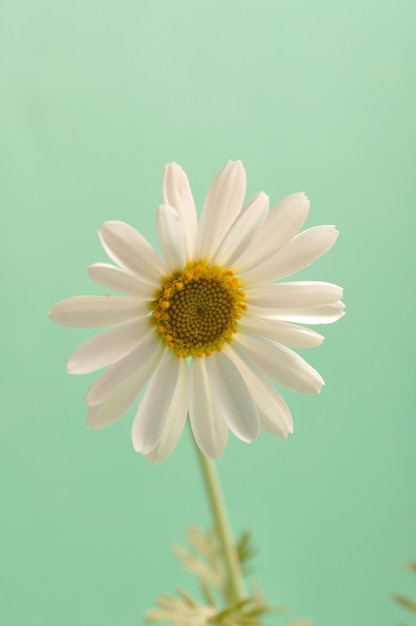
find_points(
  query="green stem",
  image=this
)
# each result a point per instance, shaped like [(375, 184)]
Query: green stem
[(219, 512)]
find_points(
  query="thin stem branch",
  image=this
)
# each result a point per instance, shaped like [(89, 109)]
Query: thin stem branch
[(229, 552)]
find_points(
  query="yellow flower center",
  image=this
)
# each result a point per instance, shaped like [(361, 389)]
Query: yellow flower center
[(197, 309)]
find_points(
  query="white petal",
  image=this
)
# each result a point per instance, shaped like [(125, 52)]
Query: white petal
[(95, 311), (208, 425), (233, 397), (294, 295), (280, 364), (175, 418), (170, 232), (154, 407), (319, 315), (244, 229), (222, 205), (177, 192), (120, 280), (300, 252), (275, 416), (102, 415), (289, 335), (283, 222), (139, 362), (129, 249), (108, 347)]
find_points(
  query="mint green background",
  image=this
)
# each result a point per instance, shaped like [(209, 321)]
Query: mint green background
[(95, 97)]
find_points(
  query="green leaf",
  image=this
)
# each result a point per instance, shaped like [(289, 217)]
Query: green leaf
[(182, 611), (245, 550), (202, 557)]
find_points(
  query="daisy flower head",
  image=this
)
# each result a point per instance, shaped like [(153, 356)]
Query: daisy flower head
[(208, 328)]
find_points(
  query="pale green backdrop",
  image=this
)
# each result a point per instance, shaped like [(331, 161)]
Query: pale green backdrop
[(96, 96)]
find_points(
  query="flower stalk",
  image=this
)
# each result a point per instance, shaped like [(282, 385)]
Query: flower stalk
[(222, 526)]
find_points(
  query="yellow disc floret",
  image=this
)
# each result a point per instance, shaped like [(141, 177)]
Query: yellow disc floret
[(197, 309)]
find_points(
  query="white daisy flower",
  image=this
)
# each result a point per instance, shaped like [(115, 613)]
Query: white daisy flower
[(205, 330)]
